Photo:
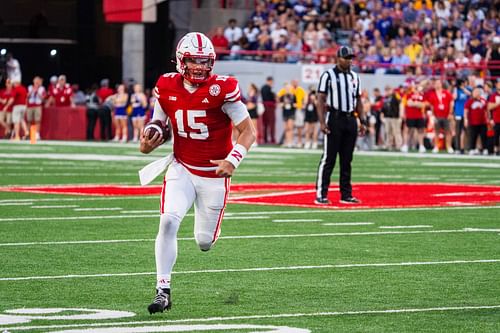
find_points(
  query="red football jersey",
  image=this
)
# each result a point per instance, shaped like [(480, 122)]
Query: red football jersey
[(411, 111), (440, 102), (495, 98), (477, 111), (201, 130)]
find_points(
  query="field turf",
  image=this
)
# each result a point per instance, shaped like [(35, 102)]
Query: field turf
[(274, 268)]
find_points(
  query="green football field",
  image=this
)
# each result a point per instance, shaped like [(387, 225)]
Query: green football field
[(85, 263)]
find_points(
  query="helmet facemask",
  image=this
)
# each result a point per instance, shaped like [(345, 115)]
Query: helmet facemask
[(197, 69), (195, 57)]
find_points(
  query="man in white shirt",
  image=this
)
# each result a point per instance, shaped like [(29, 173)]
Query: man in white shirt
[(233, 33)]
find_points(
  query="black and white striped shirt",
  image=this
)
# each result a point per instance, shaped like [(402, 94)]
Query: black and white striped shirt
[(342, 89)]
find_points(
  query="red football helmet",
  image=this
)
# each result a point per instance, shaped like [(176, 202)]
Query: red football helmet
[(195, 57)]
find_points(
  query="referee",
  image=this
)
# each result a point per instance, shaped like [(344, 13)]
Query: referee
[(339, 112)]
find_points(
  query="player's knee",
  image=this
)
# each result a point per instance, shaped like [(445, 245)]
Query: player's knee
[(169, 223), (204, 241)]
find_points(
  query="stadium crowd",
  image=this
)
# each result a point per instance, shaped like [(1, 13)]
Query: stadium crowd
[(400, 37)]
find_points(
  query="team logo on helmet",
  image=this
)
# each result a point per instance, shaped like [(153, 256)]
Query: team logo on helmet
[(214, 90)]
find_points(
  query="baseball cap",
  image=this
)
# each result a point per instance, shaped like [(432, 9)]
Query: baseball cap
[(345, 52)]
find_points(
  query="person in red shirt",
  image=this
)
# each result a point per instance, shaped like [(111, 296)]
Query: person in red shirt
[(6, 101), (19, 110), (476, 119), (202, 108), (494, 109), (220, 42), (413, 116), (441, 103)]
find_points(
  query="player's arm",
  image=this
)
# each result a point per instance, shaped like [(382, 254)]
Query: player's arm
[(246, 137), (147, 144)]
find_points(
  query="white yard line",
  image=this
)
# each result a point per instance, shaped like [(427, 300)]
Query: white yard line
[(265, 316), (28, 203), (95, 209), (478, 229), (55, 206), (310, 211), (298, 220), (404, 226), (328, 234), (348, 223), (258, 269)]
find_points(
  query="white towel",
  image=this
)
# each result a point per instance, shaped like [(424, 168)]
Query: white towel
[(153, 169)]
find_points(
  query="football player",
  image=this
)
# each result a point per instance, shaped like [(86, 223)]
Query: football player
[(203, 108)]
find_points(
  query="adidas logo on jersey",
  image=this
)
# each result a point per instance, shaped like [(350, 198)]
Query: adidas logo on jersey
[(172, 98), (205, 100)]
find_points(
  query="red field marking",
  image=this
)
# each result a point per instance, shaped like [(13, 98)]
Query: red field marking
[(373, 195)]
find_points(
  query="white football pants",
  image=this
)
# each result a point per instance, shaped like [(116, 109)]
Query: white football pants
[(180, 190)]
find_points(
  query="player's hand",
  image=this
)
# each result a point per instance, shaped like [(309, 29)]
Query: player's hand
[(148, 145), (224, 169), (324, 128)]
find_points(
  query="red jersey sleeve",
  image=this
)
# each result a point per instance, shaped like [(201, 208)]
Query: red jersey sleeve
[(231, 89)]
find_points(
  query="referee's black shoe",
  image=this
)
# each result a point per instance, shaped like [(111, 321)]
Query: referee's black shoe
[(350, 200), (322, 201)]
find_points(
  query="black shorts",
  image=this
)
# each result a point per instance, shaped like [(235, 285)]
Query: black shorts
[(253, 113), (288, 114), (415, 123), (311, 117)]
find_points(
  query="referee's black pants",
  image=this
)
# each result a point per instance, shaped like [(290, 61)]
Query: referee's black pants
[(341, 140)]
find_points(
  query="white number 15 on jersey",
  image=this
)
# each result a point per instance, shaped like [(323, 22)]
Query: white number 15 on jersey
[(192, 124)]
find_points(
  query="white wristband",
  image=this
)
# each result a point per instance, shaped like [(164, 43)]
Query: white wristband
[(236, 155)]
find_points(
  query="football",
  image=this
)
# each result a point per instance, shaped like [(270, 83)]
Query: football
[(157, 126)]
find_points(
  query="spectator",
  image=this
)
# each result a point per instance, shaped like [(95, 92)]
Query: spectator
[(6, 102), (79, 97), (36, 96), (441, 103), (139, 104), (233, 33), (413, 115), (311, 121), (13, 68), (61, 94), (220, 42), (460, 95), (105, 109), (251, 102), (391, 119), (414, 50), (288, 105), (494, 110), (294, 47), (120, 114), (475, 120), (93, 106), (269, 118), (251, 31), (400, 62), (19, 110)]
